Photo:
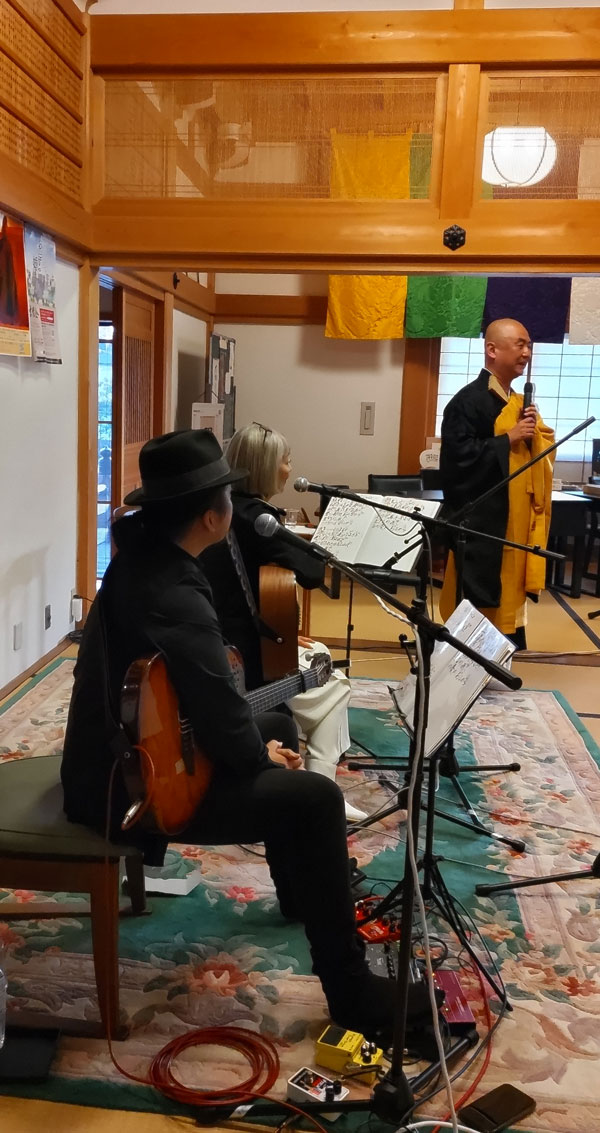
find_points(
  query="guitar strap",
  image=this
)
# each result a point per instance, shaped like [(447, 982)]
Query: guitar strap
[(237, 559)]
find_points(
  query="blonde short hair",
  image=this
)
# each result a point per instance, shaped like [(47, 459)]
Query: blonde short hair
[(261, 451)]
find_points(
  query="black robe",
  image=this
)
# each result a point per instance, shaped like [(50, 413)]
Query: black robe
[(229, 600), (472, 460)]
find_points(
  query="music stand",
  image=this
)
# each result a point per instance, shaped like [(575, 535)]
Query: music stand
[(446, 763), (393, 1097)]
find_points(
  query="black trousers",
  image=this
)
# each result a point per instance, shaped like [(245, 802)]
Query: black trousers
[(300, 817)]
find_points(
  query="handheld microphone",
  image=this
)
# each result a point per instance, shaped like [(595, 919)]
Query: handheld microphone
[(269, 527), (528, 395)]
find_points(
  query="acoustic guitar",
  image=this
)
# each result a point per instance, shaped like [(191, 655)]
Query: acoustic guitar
[(166, 774), (278, 606)]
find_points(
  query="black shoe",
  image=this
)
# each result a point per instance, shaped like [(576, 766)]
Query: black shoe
[(367, 1004)]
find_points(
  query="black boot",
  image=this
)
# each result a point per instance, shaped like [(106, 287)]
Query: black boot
[(366, 1003)]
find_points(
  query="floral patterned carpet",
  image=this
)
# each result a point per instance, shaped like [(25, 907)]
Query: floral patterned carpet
[(223, 954)]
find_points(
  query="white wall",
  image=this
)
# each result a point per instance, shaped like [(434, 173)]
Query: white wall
[(255, 283), (189, 340), (309, 388), (38, 495)]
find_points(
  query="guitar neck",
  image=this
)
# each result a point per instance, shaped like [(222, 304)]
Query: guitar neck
[(262, 699)]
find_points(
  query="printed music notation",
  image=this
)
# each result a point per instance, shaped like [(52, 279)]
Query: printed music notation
[(357, 533), (456, 680)]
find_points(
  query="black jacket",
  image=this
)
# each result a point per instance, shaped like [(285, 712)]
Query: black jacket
[(472, 460), (156, 598), (230, 601)]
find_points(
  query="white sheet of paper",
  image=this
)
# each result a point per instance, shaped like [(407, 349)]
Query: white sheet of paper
[(456, 681)]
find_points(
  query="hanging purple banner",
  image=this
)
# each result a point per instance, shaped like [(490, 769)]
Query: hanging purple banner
[(540, 303)]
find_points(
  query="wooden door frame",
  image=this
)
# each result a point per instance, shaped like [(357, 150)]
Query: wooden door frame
[(89, 317)]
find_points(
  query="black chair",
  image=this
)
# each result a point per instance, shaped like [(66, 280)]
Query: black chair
[(432, 479), (395, 485)]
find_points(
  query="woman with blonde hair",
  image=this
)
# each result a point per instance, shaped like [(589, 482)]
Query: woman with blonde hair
[(321, 713)]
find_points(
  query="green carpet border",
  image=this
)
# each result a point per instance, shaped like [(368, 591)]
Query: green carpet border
[(33, 681), (133, 1097), (590, 743)]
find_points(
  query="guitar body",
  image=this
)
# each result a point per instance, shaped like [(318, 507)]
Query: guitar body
[(278, 605), (173, 774), (166, 773)]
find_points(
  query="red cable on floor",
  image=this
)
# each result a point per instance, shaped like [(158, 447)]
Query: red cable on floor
[(258, 1051)]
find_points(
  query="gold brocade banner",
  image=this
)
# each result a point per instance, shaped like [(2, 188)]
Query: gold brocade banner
[(375, 168)]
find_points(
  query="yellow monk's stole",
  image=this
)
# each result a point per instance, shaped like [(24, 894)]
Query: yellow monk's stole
[(530, 494), (365, 167)]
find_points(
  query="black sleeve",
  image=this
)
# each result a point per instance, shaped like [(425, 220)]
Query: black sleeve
[(189, 636), (472, 459), (309, 570)]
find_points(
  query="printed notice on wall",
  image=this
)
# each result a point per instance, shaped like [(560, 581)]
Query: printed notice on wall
[(40, 262), (15, 338)]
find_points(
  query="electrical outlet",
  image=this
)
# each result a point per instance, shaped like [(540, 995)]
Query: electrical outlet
[(367, 418), (47, 616), (17, 635)]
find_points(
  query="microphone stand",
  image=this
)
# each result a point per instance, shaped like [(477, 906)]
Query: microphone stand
[(393, 1098), (447, 764)]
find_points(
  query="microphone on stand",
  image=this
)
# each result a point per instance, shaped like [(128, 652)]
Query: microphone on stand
[(269, 528), (301, 484)]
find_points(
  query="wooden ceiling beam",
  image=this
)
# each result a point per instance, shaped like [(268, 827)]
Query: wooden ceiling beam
[(317, 41), (317, 235)]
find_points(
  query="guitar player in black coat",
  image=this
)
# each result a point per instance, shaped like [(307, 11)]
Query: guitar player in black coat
[(155, 597)]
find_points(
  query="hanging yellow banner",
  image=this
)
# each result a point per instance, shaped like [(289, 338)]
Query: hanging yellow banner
[(375, 168)]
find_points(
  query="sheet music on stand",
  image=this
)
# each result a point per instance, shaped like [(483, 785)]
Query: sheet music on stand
[(357, 533), (456, 681)]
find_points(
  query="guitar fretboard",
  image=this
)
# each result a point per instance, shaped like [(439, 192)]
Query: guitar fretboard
[(261, 699)]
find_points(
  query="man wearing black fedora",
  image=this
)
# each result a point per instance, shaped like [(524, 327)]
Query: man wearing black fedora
[(155, 597)]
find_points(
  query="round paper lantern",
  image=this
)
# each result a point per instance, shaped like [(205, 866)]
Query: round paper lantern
[(517, 156)]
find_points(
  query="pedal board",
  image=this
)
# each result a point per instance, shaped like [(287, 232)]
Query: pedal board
[(382, 959)]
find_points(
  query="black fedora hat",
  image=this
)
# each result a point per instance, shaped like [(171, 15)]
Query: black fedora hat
[(177, 464)]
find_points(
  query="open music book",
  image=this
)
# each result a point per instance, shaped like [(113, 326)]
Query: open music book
[(456, 681), (357, 533)]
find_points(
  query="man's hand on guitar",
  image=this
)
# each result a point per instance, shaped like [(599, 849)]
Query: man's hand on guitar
[(284, 755), (305, 642)]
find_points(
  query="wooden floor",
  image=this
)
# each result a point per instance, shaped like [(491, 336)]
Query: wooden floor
[(551, 630)]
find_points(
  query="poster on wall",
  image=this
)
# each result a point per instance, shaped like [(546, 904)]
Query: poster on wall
[(15, 338), (220, 383), (40, 262)]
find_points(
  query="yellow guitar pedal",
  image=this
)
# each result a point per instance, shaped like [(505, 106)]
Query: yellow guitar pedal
[(347, 1052)]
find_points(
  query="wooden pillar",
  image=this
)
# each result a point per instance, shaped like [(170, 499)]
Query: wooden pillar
[(87, 430), (460, 141), (162, 417), (419, 400)]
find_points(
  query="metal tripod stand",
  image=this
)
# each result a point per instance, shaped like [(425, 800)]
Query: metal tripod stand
[(529, 882), (433, 886), (447, 766)]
